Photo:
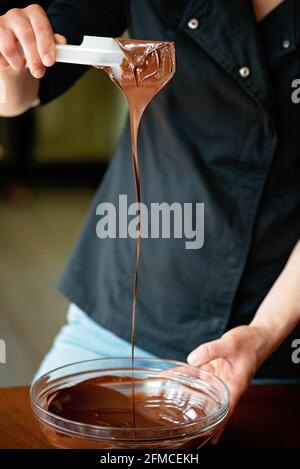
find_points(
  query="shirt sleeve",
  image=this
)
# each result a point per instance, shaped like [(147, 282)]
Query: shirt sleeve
[(75, 19)]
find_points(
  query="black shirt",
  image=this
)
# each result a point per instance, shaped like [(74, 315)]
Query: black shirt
[(216, 135)]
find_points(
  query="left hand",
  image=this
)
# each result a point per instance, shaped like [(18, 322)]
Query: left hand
[(234, 358)]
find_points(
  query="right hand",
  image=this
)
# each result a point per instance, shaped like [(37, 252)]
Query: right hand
[(29, 28)]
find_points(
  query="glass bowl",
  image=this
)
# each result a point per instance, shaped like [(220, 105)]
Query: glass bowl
[(200, 398)]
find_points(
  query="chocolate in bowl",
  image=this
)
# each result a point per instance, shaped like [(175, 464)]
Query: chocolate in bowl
[(89, 404)]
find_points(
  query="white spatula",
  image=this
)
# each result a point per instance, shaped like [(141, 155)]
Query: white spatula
[(102, 51)]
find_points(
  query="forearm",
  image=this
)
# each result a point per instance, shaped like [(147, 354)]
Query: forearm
[(279, 313), (20, 92)]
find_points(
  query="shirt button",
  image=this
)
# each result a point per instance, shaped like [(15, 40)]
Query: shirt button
[(193, 23), (286, 44), (244, 72)]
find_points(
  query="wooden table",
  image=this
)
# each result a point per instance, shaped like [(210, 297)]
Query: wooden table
[(267, 417)]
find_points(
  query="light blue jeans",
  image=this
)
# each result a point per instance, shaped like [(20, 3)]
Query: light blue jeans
[(83, 339)]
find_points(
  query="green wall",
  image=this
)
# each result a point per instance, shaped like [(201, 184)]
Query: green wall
[(83, 124)]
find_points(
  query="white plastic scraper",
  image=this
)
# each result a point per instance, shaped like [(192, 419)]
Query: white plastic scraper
[(102, 51)]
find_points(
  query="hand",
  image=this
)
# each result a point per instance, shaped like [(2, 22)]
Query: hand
[(234, 358), (27, 40)]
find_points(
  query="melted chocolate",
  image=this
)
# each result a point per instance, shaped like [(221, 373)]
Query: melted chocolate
[(145, 70), (107, 402), (147, 67)]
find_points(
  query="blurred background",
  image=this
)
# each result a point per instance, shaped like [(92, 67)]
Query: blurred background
[(51, 161)]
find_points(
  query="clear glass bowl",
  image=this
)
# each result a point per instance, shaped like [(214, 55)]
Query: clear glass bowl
[(204, 397)]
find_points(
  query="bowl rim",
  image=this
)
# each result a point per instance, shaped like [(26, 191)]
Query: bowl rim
[(218, 416)]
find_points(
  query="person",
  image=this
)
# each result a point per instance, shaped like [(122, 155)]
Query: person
[(223, 132)]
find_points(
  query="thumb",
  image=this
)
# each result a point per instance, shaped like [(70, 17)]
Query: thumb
[(208, 352), (59, 39)]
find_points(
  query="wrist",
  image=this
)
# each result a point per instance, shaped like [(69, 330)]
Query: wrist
[(263, 348), (20, 91), (8, 73)]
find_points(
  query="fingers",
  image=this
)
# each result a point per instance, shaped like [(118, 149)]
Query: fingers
[(235, 396), (3, 62), (208, 352), (59, 39), (182, 371), (43, 34), (216, 438), (23, 32), (209, 367), (10, 51), (27, 40)]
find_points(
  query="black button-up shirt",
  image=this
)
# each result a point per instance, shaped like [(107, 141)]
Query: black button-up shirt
[(224, 132)]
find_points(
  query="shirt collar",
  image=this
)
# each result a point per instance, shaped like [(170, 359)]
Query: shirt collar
[(278, 30), (228, 33)]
